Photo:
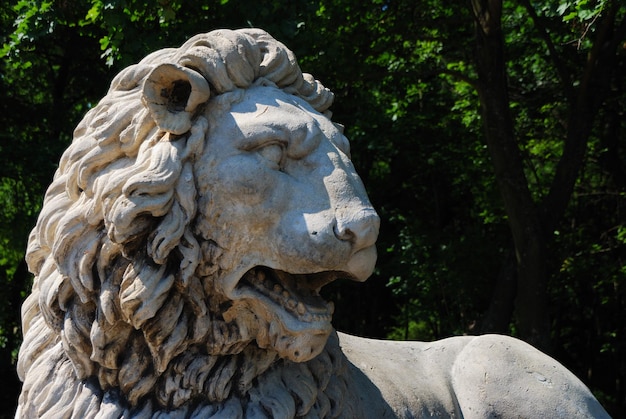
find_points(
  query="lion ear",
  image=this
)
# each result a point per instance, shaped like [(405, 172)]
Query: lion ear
[(172, 94)]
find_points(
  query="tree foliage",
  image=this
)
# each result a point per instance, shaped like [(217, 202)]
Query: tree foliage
[(488, 133)]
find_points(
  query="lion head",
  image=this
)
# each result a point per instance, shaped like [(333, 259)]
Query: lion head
[(202, 205)]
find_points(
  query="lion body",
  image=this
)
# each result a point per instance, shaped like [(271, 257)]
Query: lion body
[(182, 245), (489, 376)]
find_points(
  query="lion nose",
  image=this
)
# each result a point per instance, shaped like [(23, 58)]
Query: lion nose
[(360, 228)]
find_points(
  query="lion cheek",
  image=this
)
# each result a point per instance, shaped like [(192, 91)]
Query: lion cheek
[(244, 180), (305, 242)]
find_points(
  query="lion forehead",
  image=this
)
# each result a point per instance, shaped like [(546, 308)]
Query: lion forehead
[(269, 115)]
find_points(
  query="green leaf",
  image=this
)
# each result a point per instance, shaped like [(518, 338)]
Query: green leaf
[(95, 12), (563, 8)]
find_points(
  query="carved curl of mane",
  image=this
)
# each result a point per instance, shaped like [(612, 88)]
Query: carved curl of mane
[(115, 254)]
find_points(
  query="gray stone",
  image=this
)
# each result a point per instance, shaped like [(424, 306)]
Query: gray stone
[(182, 245)]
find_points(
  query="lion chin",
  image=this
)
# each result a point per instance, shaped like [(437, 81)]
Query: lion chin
[(299, 318)]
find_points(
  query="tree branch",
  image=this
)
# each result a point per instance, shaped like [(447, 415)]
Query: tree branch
[(593, 89), (564, 75)]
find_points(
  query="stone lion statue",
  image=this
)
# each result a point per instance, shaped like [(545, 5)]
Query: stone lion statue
[(180, 251)]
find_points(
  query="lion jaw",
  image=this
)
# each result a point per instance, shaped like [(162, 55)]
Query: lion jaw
[(296, 320)]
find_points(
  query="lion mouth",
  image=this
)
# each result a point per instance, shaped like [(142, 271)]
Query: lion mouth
[(295, 294)]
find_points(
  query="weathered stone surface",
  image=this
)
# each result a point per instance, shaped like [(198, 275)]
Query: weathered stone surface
[(178, 257)]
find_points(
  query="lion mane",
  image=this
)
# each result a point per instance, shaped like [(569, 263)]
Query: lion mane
[(122, 320)]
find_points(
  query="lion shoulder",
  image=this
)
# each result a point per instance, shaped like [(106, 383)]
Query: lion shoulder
[(411, 379)]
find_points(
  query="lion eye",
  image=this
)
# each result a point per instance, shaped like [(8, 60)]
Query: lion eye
[(273, 153)]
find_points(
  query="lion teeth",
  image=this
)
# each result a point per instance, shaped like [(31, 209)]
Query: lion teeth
[(270, 285), (301, 308), (291, 304)]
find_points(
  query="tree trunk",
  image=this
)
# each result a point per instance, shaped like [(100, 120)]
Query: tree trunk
[(498, 317), (524, 222)]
